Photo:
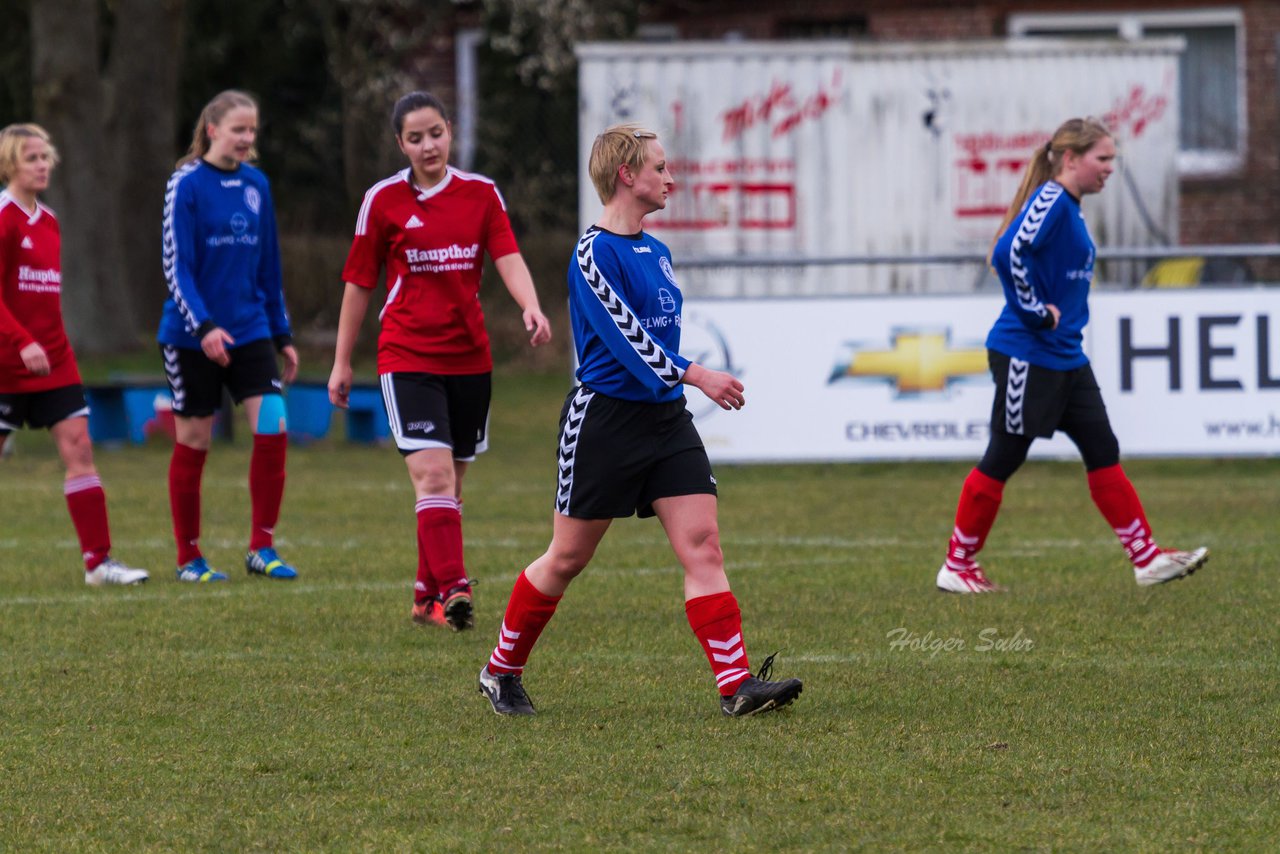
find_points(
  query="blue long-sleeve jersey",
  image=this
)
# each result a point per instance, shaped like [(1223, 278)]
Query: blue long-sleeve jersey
[(221, 257), (624, 305), (1045, 257)]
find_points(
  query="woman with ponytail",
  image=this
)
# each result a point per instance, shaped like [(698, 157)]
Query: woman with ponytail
[(223, 324), (425, 231), (1044, 257)]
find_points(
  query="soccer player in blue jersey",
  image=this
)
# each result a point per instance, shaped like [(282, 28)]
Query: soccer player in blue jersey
[(1044, 257), (223, 324), (627, 442)]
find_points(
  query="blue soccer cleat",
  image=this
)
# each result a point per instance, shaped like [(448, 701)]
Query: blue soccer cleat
[(199, 572), (267, 563)]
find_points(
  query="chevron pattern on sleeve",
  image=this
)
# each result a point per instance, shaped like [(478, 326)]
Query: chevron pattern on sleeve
[(569, 447), (170, 246), (645, 347), (1034, 218)]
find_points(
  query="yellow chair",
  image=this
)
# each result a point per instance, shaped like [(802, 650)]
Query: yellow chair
[(1174, 273)]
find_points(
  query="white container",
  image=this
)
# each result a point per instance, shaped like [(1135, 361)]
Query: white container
[(830, 149)]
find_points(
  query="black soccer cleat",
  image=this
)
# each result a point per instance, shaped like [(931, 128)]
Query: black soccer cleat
[(459, 613), (757, 694), (506, 693)]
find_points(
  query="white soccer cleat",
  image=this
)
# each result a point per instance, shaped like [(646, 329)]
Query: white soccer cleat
[(971, 580), (1170, 565), (112, 571)]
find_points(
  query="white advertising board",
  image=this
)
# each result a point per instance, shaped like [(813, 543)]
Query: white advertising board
[(870, 378), (835, 149)]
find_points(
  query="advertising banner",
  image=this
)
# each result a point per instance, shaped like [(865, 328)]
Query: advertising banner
[(876, 378)]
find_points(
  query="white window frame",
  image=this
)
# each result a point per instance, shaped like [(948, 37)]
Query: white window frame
[(1132, 25)]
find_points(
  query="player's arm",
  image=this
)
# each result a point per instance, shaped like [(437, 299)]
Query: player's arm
[(13, 335), (500, 243), (270, 277), (598, 281), (179, 238), (16, 337), (364, 264), (1028, 268), (271, 285), (355, 305), (724, 389), (519, 282)]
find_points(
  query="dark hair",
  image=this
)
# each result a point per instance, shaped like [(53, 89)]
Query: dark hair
[(415, 101)]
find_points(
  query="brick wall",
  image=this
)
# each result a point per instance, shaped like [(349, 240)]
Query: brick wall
[(903, 23)]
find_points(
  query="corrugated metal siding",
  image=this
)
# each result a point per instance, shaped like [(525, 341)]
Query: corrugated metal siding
[(828, 149)]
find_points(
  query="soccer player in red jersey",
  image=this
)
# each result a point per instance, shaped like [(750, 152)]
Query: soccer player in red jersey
[(39, 380), (429, 226)]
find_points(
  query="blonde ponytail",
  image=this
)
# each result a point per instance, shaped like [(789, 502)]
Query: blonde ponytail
[(1078, 135)]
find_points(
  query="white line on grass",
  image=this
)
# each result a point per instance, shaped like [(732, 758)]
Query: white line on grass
[(207, 591), (223, 590)]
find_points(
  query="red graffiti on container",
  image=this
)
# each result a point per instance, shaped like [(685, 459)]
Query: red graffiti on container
[(1131, 113), (781, 108), (988, 168)]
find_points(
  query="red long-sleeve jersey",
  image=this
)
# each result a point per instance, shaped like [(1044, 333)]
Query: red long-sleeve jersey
[(31, 298)]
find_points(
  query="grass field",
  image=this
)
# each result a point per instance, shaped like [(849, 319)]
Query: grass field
[(1078, 712)]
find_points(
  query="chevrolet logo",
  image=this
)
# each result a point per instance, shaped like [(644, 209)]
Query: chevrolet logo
[(919, 362)]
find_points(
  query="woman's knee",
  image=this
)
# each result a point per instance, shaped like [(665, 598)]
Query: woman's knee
[(1099, 447), (1005, 454), (706, 541), (433, 476), (568, 563), (74, 445)]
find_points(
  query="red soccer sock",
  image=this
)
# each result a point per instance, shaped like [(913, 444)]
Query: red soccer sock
[(186, 467), (266, 486), (440, 535), (717, 623), (424, 586), (975, 514), (87, 504), (1115, 496), (528, 612)]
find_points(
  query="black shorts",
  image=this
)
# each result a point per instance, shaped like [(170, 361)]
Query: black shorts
[(41, 409), (1034, 401), (617, 457), (439, 411), (196, 381)]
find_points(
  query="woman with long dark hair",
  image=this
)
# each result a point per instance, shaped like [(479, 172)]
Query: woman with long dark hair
[(429, 227)]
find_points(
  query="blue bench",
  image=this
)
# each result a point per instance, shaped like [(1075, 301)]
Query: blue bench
[(310, 413), (126, 412), (134, 410)]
